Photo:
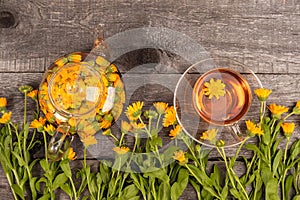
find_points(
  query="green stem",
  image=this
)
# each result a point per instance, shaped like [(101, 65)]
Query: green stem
[(25, 108), (84, 157), (10, 133), (10, 184), (32, 139), (286, 149), (239, 149), (45, 145), (73, 188), (256, 182), (157, 123), (121, 139), (283, 184), (285, 118), (146, 129), (262, 105), (115, 138), (191, 151)]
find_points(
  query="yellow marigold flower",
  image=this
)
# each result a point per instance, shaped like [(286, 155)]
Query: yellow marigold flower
[(61, 62), (180, 157), (112, 77), (170, 117), (209, 135), (74, 57), (125, 127), (5, 118), (106, 122), (33, 94), (121, 150), (174, 132), (89, 140), (49, 129), (288, 129), (102, 61), (107, 132), (38, 124), (253, 129), (137, 126), (72, 122), (262, 93), (214, 88), (160, 107), (277, 110), (134, 111), (3, 102), (296, 109), (71, 154)]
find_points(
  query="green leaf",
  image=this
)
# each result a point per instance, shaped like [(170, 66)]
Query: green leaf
[(16, 188), (44, 164), (277, 161), (164, 191), (20, 160), (266, 175), (130, 191), (272, 189), (295, 149), (216, 175), (266, 137), (37, 184), (32, 187), (179, 186), (65, 166), (45, 197), (296, 197), (224, 192), (32, 164), (288, 185), (59, 180), (159, 174), (235, 193), (67, 189)]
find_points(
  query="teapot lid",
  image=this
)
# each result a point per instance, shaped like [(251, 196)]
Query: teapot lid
[(76, 89)]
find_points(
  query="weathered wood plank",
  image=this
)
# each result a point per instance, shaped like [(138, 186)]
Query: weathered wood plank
[(262, 34)]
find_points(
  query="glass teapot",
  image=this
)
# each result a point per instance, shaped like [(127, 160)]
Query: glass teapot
[(81, 94)]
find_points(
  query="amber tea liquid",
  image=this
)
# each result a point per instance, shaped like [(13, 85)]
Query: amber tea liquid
[(229, 108)]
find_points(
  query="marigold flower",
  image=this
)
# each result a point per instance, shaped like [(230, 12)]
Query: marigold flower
[(277, 110), (137, 126), (3, 102), (288, 129), (121, 150), (113, 77), (71, 154), (214, 88), (296, 109), (25, 89), (209, 135), (134, 111), (106, 122), (174, 132), (107, 132), (33, 94), (38, 124), (89, 140), (180, 157), (220, 143), (50, 129), (5, 118), (125, 127), (253, 129), (102, 61), (262, 93), (61, 62), (74, 57), (50, 117), (170, 117), (160, 107)]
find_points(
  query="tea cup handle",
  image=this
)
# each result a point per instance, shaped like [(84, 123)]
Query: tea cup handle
[(236, 131), (59, 142)]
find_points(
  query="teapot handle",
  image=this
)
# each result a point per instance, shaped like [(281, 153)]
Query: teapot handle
[(60, 142)]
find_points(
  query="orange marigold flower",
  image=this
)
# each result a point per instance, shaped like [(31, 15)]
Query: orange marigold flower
[(253, 129), (174, 132), (61, 62), (134, 111), (262, 93), (71, 154), (50, 129), (121, 150), (89, 140), (277, 110), (288, 129), (50, 117), (180, 157), (3, 102), (296, 109), (160, 107), (170, 117), (214, 88), (209, 135), (33, 94), (5, 118), (38, 124)]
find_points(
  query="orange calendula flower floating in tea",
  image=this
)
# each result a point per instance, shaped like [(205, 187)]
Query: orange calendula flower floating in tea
[(214, 88), (134, 111), (160, 107), (175, 132), (5, 118), (277, 110), (170, 117), (121, 150), (3, 102), (180, 157), (209, 135), (262, 93), (33, 94), (71, 154), (253, 129), (288, 129)]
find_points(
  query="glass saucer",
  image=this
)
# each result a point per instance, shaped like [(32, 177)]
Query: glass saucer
[(225, 113)]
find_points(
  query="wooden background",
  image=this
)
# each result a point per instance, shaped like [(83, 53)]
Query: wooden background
[(263, 34)]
